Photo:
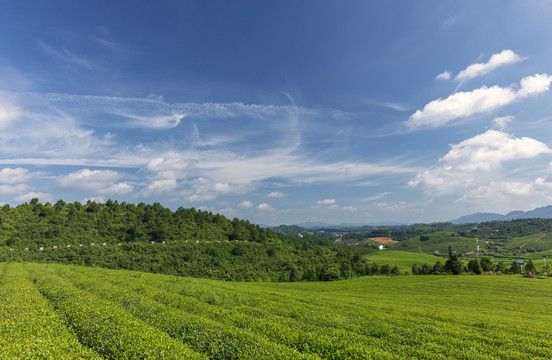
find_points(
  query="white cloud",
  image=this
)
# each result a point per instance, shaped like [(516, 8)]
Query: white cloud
[(497, 191), (404, 207), (501, 122), (228, 212), (157, 188), (44, 134), (488, 150), (466, 103), (117, 189), (264, 207), (326, 202), (276, 194), (42, 197), (350, 208), (280, 164), (376, 197), (223, 188), (450, 21), (207, 189), (246, 204), (461, 104), (8, 114), (54, 132), (218, 172), (496, 60), (155, 121), (17, 175), (88, 180), (54, 136), (535, 84), (476, 162), (201, 197), (13, 189), (445, 75), (171, 161), (96, 199)]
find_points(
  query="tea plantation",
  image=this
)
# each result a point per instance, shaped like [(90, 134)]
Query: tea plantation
[(67, 311)]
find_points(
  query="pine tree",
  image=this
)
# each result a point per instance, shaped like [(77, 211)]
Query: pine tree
[(453, 265), (530, 267), (475, 267)]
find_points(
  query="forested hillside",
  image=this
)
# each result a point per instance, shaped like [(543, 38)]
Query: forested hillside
[(153, 238), (74, 223)]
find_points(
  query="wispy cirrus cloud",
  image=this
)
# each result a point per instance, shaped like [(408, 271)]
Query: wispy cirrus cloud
[(155, 121), (48, 135), (376, 197), (223, 172), (188, 165), (501, 122), (326, 202), (450, 21), (350, 208), (8, 114), (69, 58)]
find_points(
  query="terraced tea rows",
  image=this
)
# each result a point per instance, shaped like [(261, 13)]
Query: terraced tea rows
[(60, 311)]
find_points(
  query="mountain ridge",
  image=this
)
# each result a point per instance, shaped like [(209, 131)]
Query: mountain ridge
[(541, 212)]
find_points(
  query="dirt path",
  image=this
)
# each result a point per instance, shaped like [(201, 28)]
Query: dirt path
[(535, 241)]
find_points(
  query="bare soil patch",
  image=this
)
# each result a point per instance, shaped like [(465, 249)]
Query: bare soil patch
[(384, 240)]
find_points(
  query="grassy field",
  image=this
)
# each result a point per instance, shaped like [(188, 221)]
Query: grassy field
[(438, 241), (536, 242), (404, 260), (61, 311)]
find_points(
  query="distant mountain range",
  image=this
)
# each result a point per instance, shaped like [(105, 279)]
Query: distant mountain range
[(320, 225), (542, 212)]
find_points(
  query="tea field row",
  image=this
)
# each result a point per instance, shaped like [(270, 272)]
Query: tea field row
[(67, 311)]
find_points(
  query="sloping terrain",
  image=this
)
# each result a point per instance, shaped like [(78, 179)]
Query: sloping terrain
[(61, 311)]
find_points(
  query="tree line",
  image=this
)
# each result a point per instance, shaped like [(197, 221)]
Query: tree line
[(478, 266), (186, 242)]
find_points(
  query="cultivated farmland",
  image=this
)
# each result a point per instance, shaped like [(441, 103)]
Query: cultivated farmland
[(61, 311)]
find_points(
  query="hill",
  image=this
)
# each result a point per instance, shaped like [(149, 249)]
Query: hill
[(291, 229), (91, 313), (542, 212), (190, 242), (186, 242), (437, 241)]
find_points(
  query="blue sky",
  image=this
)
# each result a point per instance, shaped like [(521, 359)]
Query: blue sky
[(279, 111)]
